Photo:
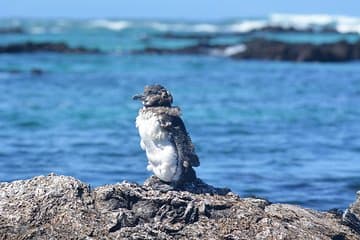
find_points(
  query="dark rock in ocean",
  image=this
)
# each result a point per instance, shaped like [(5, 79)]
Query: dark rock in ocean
[(60, 207), (300, 52), (33, 71), (265, 29), (281, 29), (193, 36), (32, 47), (37, 71), (202, 48), (262, 49), (12, 30)]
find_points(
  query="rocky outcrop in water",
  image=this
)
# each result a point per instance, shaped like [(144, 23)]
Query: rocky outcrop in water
[(265, 29), (60, 207), (262, 49), (198, 49), (33, 47), (12, 30), (300, 52)]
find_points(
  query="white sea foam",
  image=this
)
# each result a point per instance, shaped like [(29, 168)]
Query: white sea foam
[(37, 30), (165, 27), (228, 51), (158, 26), (205, 28), (343, 24), (299, 21), (183, 27), (109, 24), (232, 50), (348, 24), (246, 26)]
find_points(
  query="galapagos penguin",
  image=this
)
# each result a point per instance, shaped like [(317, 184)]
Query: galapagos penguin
[(170, 152)]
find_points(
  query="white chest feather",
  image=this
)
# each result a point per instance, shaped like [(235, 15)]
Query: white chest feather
[(161, 154)]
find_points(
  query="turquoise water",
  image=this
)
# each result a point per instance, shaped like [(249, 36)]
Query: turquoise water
[(288, 132)]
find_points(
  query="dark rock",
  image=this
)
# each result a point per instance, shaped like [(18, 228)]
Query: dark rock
[(12, 30), (280, 29), (300, 52), (262, 49), (265, 29), (31, 47), (198, 49), (37, 71), (60, 207), (33, 71), (193, 36)]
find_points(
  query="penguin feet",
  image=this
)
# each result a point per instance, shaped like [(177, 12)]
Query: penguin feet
[(189, 183), (157, 184)]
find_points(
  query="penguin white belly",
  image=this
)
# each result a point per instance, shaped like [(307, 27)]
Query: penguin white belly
[(161, 153)]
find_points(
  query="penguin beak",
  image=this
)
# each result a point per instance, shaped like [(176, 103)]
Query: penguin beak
[(139, 97)]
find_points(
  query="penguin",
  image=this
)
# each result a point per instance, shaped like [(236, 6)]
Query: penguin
[(168, 146)]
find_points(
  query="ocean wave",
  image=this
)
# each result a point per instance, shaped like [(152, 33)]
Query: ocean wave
[(342, 24), (37, 30), (229, 51), (109, 24), (316, 22), (247, 26), (299, 21), (205, 28), (232, 50), (348, 25), (163, 27), (183, 27)]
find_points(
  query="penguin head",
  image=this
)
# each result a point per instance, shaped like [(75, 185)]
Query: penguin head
[(155, 96)]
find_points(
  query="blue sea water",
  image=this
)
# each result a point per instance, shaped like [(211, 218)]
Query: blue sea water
[(288, 132)]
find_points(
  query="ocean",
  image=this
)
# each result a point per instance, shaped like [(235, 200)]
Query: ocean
[(284, 131)]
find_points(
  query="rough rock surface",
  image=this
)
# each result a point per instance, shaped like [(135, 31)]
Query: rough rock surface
[(31, 47), (60, 207)]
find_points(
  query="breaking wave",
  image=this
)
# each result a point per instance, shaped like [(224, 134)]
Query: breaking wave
[(109, 24)]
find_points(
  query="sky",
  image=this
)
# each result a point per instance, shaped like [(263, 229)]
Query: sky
[(173, 9)]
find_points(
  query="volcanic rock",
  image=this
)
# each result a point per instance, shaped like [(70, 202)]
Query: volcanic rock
[(61, 207)]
